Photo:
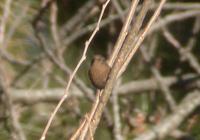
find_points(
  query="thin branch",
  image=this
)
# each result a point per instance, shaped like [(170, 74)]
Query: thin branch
[(123, 32), (4, 19), (54, 30), (132, 37), (34, 96), (142, 35), (17, 132), (162, 22), (116, 113)]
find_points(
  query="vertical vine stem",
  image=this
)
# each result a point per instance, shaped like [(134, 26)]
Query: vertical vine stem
[(142, 36)]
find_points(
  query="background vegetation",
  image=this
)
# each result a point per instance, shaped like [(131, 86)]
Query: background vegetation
[(41, 42)]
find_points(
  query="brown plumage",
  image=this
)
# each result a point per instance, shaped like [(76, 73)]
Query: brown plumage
[(99, 71)]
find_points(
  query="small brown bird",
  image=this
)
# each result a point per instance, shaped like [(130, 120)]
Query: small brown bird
[(99, 71)]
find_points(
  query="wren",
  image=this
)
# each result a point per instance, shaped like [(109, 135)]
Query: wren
[(99, 71)]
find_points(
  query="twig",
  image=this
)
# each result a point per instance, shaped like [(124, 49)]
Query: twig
[(4, 18), (118, 9), (34, 96), (19, 20), (88, 121), (75, 35), (142, 36), (132, 37), (116, 113), (162, 22), (54, 30), (8, 57), (123, 32), (181, 6), (17, 132)]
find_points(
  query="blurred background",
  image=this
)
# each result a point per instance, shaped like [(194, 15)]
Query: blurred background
[(41, 42)]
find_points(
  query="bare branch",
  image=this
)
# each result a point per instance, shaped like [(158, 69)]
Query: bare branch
[(171, 122)]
